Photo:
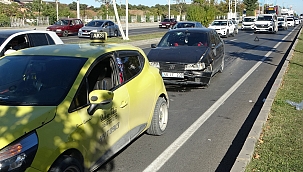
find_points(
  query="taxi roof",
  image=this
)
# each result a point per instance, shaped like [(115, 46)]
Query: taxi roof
[(86, 50)]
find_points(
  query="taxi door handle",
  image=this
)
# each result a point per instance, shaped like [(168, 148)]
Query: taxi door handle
[(123, 104)]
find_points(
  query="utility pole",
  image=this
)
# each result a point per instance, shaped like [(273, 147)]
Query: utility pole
[(57, 10), (78, 9)]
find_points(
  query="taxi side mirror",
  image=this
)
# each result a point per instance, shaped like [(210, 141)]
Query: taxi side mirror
[(97, 98)]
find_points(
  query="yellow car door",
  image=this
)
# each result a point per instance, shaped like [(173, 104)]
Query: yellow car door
[(106, 119), (140, 84)]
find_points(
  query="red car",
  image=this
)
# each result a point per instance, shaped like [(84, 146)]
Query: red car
[(167, 23), (67, 26)]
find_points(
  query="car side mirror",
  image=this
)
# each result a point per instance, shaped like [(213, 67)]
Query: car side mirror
[(97, 98), (153, 45)]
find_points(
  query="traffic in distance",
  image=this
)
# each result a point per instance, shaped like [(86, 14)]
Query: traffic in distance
[(90, 107)]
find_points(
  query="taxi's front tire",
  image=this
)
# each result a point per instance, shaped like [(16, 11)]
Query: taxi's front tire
[(66, 163), (160, 118)]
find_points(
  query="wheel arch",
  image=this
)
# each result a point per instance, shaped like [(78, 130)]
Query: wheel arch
[(72, 153)]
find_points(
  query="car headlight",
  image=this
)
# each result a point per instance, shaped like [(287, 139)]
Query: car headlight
[(155, 64), (47, 29), (80, 30), (19, 155), (196, 66)]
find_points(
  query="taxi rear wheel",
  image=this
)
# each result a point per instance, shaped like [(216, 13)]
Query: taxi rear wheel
[(160, 118), (66, 164)]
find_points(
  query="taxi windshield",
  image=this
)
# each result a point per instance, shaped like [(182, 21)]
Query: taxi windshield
[(37, 80)]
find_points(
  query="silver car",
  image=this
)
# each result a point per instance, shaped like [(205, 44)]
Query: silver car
[(99, 26)]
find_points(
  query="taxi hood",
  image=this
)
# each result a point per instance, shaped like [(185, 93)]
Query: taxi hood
[(181, 54), (18, 120)]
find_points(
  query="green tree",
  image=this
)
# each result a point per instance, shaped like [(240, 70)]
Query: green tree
[(202, 11), (251, 6)]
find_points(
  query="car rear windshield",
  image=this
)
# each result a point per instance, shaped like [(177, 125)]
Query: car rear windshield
[(184, 38), (37, 80)]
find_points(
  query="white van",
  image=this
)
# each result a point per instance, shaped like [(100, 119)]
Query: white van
[(248, 22), (266, 23)]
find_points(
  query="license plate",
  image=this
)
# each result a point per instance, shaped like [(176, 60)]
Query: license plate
[(172, 75)]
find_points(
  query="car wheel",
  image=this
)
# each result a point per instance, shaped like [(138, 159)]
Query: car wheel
[(116, 33), (65, 33), (227, 34), (160, 118), (66, 163)]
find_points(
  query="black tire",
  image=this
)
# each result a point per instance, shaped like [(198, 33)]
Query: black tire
[(160, 118), (66, 163), (227, 34), (116, 34), (65, 33)]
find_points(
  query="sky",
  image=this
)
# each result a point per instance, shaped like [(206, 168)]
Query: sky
[(297, 5)]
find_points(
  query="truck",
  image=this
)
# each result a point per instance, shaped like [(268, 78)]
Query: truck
[(276, 9)]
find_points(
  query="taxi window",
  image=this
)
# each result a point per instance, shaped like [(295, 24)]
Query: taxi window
[(99, 77), (129, 65)]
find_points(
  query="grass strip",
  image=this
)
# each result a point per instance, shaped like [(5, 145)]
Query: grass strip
[(280, 146)]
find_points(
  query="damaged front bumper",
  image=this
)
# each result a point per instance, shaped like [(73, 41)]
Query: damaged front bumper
[(186, 77)]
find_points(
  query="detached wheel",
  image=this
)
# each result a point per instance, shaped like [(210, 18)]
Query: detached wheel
[(160, 118), (65, 33), (66, 164)]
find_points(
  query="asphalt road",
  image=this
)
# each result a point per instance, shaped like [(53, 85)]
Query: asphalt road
[(208, 126)]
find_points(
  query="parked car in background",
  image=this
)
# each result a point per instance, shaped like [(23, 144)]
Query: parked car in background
[(224, 27), (107, 26), (282, 23), (187, 24), (248, 23), (290, 21), (188, 56), (66, 26), (72, 107), (167, 23), (13, 40)]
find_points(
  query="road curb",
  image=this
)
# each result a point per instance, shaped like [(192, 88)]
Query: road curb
[(246, 153)]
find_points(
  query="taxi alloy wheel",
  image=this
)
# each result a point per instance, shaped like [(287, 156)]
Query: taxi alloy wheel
[(160, 118), (66, 164)]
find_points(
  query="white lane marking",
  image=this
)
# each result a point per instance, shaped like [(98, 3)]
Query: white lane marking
[(176, 145)]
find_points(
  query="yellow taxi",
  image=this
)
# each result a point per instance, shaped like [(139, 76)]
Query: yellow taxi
[(72, 107)]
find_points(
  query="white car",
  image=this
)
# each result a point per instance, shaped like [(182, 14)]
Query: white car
[(290, 21), (224, 27), (13, 40), (266, 23), (282, 23), (248, 22)]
